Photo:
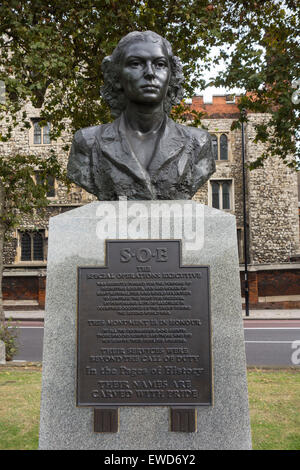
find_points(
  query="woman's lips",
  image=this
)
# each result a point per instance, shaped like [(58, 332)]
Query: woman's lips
[(150, 86)]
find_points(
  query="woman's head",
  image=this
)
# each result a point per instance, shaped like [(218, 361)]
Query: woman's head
[(111, 66)]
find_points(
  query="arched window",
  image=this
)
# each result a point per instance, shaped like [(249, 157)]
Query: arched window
[(220, 146), (37, 133), (223, 147), (215, 194), (50, 182), (46, 134), (226, 195), (32, 246), (41, 134), (25, 247), (38, 247), (215, 146), (221, 194)]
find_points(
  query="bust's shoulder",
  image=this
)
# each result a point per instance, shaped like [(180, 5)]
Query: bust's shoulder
[(201, 135), (85, 137), (198, 133)]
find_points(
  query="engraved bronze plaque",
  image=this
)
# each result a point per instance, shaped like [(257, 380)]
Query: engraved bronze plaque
[(144, 328)]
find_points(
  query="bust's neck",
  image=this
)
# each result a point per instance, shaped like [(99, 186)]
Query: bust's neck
[(144, 119)]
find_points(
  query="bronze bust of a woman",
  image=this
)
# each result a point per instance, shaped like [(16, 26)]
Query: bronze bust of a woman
[(143, 154)]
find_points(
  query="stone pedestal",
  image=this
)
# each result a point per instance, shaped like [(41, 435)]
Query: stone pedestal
[(77, 238), (2, 353)]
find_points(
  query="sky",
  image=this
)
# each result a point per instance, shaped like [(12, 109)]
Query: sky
[(208, 75), (209, 92)]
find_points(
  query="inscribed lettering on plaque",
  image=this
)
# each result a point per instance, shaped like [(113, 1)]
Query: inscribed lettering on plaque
[(144, 335)]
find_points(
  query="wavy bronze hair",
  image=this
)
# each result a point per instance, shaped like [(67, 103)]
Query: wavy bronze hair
[(111, 90)]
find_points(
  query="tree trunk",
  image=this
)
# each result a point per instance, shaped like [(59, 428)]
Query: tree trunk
[(2, 235)]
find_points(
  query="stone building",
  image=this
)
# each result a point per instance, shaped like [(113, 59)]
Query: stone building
[(25, 252), (271, 202), (271, 199)]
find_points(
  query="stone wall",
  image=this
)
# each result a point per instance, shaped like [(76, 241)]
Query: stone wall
[(227, 169), (272, 204), (22, 142), (271, 199), (39, 222)]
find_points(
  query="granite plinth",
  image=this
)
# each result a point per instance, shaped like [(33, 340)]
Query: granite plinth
[(77, 238), (2, 352)]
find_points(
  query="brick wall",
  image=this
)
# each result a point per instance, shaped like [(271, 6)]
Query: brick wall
[(20, 288), (218, 108), (273, 288)]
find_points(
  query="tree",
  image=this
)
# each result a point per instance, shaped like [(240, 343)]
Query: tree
[(20, 194), (265, 62), (51, 53)]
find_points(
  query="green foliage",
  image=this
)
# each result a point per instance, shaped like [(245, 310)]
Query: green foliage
[(9, 335), (22, 194), (265, 62), (51, 54)]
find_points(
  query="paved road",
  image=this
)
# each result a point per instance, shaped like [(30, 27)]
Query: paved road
[(272, 342), (30, 341), (268, 343)]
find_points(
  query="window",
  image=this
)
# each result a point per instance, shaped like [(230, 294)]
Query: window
[(220, 147), (230, 98), (41, 134), (215, 146), (221, 194), (32, 246), (50, 181), (223, 147)]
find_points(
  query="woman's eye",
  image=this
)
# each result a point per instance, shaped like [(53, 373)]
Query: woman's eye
[(134, 63), (161, 64)]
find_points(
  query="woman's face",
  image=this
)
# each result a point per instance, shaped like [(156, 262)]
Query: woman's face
[(145, 72)]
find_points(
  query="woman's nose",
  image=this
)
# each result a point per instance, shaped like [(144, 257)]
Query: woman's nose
[(149, 70)]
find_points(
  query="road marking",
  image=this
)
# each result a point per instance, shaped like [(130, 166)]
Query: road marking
[(272, 342), (274, 328), (26, 327)]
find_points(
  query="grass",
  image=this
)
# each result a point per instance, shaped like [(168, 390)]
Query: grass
[(273, 398), (275, 409), (20, 389)]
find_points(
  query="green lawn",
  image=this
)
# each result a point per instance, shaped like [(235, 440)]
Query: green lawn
[(20, 390), (273, 397)]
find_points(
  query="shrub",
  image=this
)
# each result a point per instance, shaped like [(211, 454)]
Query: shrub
[(9, 335)]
